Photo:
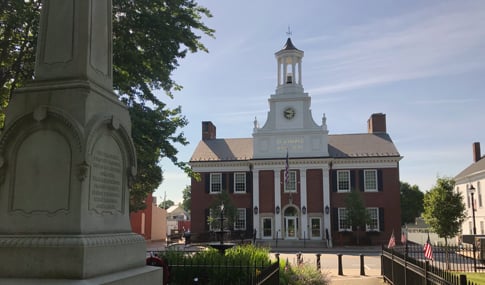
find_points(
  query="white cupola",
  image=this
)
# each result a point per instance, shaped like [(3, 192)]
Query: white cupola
[(289, 126), (289, 68)]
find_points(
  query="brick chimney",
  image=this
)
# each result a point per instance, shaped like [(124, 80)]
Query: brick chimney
[(208, 131), (376, 123), (476, 152)]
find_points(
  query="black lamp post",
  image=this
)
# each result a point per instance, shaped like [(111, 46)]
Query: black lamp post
[(222, 223), (472, 192)]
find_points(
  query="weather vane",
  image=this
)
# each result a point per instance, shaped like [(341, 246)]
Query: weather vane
[(289, 31)]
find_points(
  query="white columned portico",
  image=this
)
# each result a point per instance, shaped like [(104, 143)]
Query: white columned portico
[(277, 201), (255, 173), (326, 202), (303, 197)]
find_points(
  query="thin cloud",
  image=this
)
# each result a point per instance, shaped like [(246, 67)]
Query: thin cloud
[(419, 45)]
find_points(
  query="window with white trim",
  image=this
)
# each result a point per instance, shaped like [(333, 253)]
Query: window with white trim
[(240, 221), (315, 224), (343, 221), (240, 182), (267, 227), (216, 183), (343, 180), (373, 225), (291, 185), (370, 180)]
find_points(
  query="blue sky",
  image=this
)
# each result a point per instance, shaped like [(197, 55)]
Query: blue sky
[(422, 63)]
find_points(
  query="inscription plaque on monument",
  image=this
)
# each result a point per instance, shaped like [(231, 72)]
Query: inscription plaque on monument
[(106, 191)]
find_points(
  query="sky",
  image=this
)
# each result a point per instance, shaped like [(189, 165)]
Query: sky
[(422, 63)]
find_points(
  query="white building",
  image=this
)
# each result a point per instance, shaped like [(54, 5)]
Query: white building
[(473, 175)]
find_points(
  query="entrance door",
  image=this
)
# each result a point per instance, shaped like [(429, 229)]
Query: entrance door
[(291, 228)]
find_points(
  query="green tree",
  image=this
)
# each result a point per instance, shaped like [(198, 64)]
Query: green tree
[(149, 38), (19, 22), (215, 211), (187, 194), (166, 204), (357, 215), (444, 209), (411, 202)]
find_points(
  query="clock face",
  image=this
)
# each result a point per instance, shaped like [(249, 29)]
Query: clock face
[(289, 113)]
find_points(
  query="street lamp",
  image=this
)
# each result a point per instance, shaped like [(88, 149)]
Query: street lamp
[(471, 190)]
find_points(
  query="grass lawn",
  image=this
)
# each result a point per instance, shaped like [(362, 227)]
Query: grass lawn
[(478, 278)]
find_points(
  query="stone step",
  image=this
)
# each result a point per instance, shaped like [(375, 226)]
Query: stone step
[(293, 243)]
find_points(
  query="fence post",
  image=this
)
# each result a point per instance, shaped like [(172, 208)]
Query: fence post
[(462, 279), (318, 261), (277, 257), (426, 267), (340, 270), (362, 271)]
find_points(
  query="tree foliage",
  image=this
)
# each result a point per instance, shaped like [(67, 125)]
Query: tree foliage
[(215, 211), (149, 39), (19, 22), (357, 214), (166, 204), (186, 196), (444, 209), (411, 202)]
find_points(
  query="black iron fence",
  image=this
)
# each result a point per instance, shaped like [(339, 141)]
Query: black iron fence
[(188, 269), (407, 265)]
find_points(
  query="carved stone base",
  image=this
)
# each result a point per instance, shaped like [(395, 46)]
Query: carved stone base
[(143, 275), (70, 256)]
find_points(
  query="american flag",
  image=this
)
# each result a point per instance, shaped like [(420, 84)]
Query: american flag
[(403, 238), (392, 241), (287, 175), (428, 251)]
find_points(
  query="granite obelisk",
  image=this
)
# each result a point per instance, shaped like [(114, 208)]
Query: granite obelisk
[(67, 161)]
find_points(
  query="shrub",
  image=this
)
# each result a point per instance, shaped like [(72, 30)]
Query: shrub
[(237, 266), (303, 274)]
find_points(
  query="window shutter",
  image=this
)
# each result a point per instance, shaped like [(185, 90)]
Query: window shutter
[(335, 218), (381, 219), (249, 182), (352, 180), (206, 219), (380, 186), (361, 180), (207, 178), (249, 221), (334, 180), (231, 182), (224, 179)]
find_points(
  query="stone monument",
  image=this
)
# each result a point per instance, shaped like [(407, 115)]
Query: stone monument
[(67, 161)]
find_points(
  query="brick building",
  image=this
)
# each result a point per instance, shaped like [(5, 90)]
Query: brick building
[(289, 181)]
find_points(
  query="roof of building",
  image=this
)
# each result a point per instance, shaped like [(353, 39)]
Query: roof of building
[(339, 146), (475, 167), (289, 45)]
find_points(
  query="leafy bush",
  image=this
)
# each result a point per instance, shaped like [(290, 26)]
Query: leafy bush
[(303, 274), (237, 266)]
